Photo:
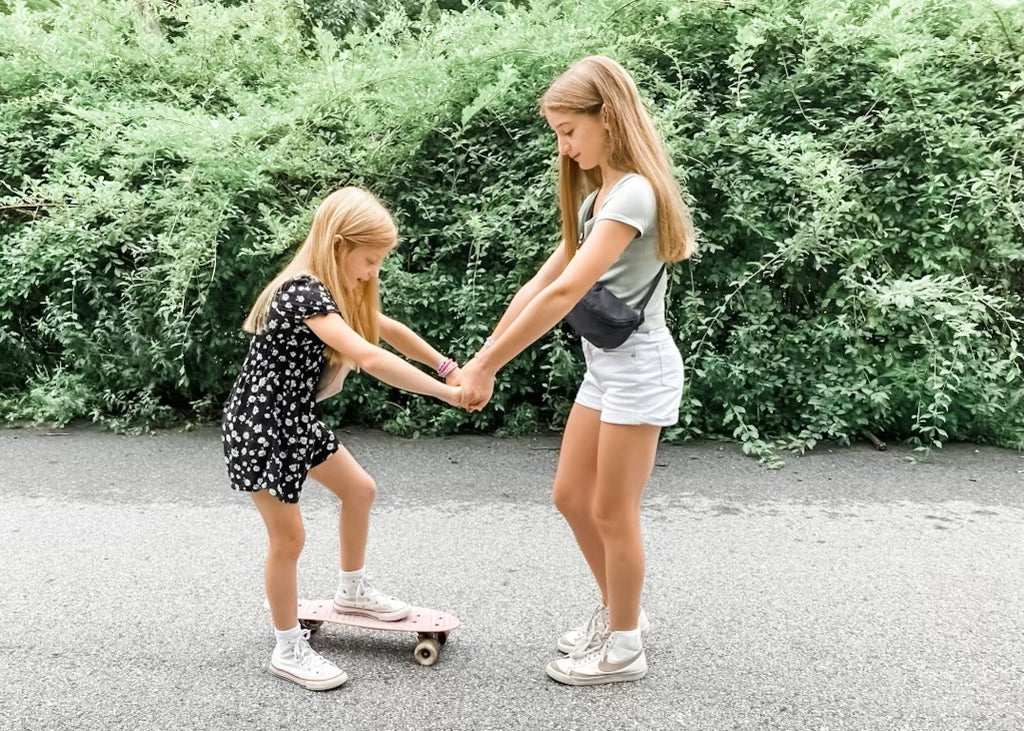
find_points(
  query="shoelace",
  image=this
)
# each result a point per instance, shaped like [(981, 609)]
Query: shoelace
[(306, 656), (366, 591), (591, 634), (594, 649)]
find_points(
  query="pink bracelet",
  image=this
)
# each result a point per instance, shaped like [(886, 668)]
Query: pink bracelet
[(445, 367)]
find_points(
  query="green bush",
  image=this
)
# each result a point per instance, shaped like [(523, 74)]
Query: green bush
[(854, 168)]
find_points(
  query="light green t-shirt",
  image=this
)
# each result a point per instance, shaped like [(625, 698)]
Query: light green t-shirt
[(631, 201)]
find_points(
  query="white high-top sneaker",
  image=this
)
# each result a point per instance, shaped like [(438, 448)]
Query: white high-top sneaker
[(362, 597), (607, 660), (300, 663)]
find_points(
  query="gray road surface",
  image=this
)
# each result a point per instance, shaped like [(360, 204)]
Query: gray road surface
[(852, 589)]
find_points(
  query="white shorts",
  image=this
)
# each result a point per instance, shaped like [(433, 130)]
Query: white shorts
[(639, 382)]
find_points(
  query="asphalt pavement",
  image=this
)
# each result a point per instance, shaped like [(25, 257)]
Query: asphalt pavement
[(850, 589)]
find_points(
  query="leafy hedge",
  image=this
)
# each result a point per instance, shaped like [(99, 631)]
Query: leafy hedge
[(854, 167)]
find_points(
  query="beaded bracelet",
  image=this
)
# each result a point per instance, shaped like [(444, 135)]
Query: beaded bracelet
[(445, 367)]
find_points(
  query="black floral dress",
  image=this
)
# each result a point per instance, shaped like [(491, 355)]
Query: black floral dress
[(271, 436)]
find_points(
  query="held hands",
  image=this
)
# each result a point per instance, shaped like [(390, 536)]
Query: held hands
[(477, 385), (454, 395), (471, 387)]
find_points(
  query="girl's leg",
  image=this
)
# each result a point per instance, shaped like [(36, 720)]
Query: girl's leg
[(625, 458), (285, 538), (342, 475), (575, 484), (293, 658)]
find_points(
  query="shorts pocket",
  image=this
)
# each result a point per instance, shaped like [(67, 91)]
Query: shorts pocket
[(671, 366)]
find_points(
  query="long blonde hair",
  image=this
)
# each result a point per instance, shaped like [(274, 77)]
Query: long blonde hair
[(597, 85), (348, 219)]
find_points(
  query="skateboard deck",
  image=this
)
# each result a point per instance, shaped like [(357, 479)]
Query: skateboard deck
[(431, 626)]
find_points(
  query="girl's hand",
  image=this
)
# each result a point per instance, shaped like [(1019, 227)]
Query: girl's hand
[(455, 377), (453, 396), (477, 385)]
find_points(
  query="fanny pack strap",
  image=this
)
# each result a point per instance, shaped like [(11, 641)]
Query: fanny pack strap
[(650, 292)]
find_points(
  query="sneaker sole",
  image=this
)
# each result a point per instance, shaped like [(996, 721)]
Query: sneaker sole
[(383, 617), (579, 680), (325, 684)]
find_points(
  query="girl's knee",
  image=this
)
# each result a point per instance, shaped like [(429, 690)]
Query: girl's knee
[(288, 543), (361, 491), (571, 503), (615, 520)]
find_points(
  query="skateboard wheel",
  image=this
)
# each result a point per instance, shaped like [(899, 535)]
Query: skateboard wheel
[(311, 624), (426, 651)]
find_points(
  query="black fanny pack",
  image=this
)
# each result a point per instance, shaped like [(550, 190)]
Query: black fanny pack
[(604, 319)]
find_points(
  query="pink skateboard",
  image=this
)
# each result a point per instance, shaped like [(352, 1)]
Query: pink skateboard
[(430, 625)]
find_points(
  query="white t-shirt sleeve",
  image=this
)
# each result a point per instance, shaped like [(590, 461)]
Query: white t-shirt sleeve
[(631, 203)]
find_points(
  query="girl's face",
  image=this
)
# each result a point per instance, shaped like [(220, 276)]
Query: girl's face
[(582, 137), (362, 264)]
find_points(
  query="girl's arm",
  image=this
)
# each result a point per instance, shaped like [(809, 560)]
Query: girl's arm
[(412, 346), (547, 273), (379, 363), (606, 242)]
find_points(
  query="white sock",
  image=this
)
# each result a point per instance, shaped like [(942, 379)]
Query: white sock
[(286, 637), (348, 579), (625, 643)]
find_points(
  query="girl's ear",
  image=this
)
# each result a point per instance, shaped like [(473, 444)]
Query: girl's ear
[(338, 247)]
